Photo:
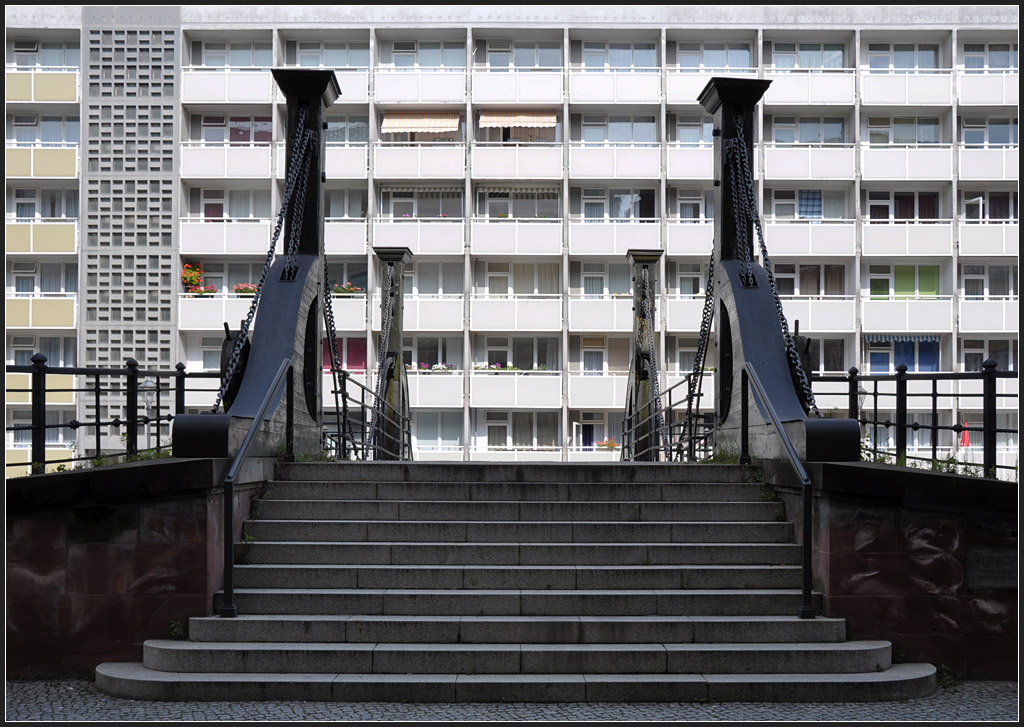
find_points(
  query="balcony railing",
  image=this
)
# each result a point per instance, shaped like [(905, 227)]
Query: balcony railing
[(514, 85), (613, 236), (345, 236), (691, 161), (615, 85), (822, 313), (910, 162), (517, 160), (618, 160), (995, 314), (690, 237), (42, 84), (48, 160), (41, 310), (602, 313), (435, 389), (435, 313), (515, 454), (899, 314), (810, 85), (810, 237), (809, 161), (224, 235), (231, 161), (989, 237), (41, 235), (988, 87), (999, 162), (424, 236), (426, 160), (515, 312), (514, 389), (420, 85), (926, 87), (907, 237), (598, 389), (685, 84), (227, 85), (516, 236)]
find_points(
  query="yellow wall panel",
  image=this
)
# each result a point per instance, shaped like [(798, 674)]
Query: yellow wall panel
[(17, 312), (60, 381), (22, 454), (53, 237), (53, 313), (19, 162), (18, 237), (18, 381), (18, 87), (55, 163), (56, 86)]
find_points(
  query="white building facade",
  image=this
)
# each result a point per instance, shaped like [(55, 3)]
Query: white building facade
[(519, 152)]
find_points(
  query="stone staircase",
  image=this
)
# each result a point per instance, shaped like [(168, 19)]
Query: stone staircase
[(517, 582)]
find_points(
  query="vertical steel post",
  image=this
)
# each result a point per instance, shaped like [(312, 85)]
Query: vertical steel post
[(394, 408), (744, 419), (901, 413), (988, 416), (935, 419), (179, 388), (289, 435), (38, 463), (132, 404), (854, 402)]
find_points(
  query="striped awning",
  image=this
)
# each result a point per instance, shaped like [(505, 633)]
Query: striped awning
[(518, 119), (436, 121), (901, 337)]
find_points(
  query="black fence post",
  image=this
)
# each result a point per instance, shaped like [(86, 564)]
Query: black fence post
[(289, 435), (344, 415), (132, 404), (854, 402), (935, 420), (179, 388), (744, 423), (901, 414), (988, 421), (38, 463)]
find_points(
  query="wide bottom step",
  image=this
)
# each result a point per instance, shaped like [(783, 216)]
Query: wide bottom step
[(901, 681)]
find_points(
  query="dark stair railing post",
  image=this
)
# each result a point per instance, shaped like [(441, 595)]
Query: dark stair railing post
[(988, 417), (854, 401), (38, 464), (901, 414), (132, 404), (179, 388)]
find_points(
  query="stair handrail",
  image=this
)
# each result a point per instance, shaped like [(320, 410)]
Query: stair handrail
[(749, 376), (228, 609)]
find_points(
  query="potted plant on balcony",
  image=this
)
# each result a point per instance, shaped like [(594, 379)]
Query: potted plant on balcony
[(346, 289), (609, 443), (191, 276), (203, 290), (246, 288)]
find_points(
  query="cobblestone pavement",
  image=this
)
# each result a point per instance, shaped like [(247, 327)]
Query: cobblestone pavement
[(79, 699)]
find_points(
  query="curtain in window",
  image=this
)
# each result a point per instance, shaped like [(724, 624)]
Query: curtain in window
[(903, 56), (522, 278), (835, 280), (809, 279), (522, 429), (618, 278), (547, 429), (809, 204), (833, 56), (833, 205), (928, 280), (451, 429), (356, 358), (644, 55), (51, 129), (427, 278), (998, 206), (50, 277), (547, 278), (834, 354), (238, 203), (903, 281), (522, 353), (451, 274), (71, 277), (928, 356), (904, 205), (927, 206), (644, 130), (620, 55), (593, 210), (620, 129), (547, 353), (904, 354), (593, 285), (427, 429)]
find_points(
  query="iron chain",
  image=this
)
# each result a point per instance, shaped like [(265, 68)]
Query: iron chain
[(387, 313), (659, 421)]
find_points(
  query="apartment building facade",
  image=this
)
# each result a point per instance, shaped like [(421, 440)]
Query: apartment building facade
[(519, 153)]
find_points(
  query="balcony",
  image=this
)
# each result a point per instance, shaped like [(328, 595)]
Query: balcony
[(975, 387), (209, 312), (515, 313), (999, 164), (515, 389), (615, 239), (618, 86), (514, 86), (602, 313), (57, 388), (811, 86), (595, 454), (516, 161), (928, 88), (684, 86), (227, 86), (907, 163), (354, 85), (822, 314), (439, 160), (923, 237), (41, 237), (515, 454), (432, 237), (349, 312), (436, 389), (52, 161), (691, 162), (200, 161), (414, 86), (615, 162), (598, 390), (224, 236), (427, 313), (691, 238), (343, 161), (684, 313), (55, 86), (44, 311), (811, 237), (988, 89), (899, 316), (516, 237), (344, 236), (824, 161), (992, 237), (994, 315)]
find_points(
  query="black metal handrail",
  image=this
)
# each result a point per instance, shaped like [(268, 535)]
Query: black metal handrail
[(228, 609), (167, 387), (989, 395), (749, 376), (690, 439), (353, 441)]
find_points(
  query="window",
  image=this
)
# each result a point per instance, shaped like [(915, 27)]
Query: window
[(810, 281), (235, 204), (694, 130), (595, 355), (434, 280), (917, 353), (432, 353), (985, 206), (351, 353), (993, 133), (989, 281), (412, 204), (507, 204), (32, 130), (592, 428), (907, 130), (535, 430), (497, 430), (601, 130), (27, 279), (240, 130), (620, 204), (514, 127), (224, 276), (903, 282), (990, 57), (210, 347), (347, 130), (717, 56), (44, 204), (686, 355), (1003, 351), (343, 273), (807, 130), (523, 353), (330, 54), (807, 56), (345, 204), (619, 56), (598, 279), (695, 205), (827, 354), (437, 430), (805, 204), (49, 55), (898, 206), (243, 54), (411, 54), (55, 436), (902, 57), (59, 350), (690, 279)]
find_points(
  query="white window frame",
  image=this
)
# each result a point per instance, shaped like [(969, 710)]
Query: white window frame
[(887, 198), (981, 349), (703, 198), (882, 58), (596, 271), (593, 345), (982, 200), (984, 53), (415, 197), (603, 48), (345, 122), (31, 270), (984, 125), (494, 272), (702, 123), (411, 49), (970, 271), (699, 49), (317, 50), (792, 50), (688, 271), (886, 125)]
